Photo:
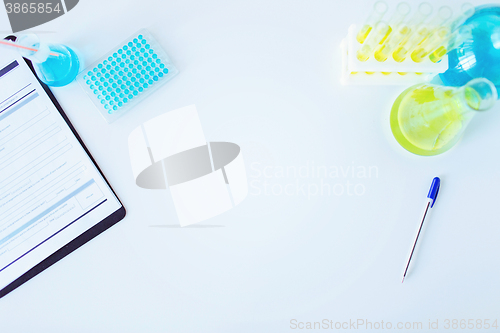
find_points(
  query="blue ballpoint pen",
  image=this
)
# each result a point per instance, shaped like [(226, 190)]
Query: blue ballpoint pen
[(431, 200)]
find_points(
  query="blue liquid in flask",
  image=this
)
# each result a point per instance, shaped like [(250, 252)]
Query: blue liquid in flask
[(56, 65), (478, 56)]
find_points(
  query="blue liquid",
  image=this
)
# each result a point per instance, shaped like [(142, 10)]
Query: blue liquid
[(479, 56), (59, 71), (122, 77)]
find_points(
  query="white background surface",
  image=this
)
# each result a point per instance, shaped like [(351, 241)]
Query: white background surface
[(265, 75)]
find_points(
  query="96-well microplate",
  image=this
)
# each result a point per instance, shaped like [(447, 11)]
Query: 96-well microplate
[(128, 74)]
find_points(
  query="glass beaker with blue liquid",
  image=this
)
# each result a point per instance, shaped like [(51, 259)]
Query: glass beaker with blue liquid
[(55, 64)]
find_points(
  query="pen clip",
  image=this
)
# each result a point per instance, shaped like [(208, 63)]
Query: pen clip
[(434, 190)]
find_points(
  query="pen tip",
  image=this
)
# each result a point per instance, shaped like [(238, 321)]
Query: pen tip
[(403, 280)]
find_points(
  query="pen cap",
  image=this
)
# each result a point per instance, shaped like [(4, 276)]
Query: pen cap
[(433, 191)]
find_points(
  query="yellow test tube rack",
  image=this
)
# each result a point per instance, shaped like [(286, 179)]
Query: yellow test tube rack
[(374, 60), (388, 72)]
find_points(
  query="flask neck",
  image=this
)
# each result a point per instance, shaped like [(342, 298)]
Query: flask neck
[(41, 55), (479, 94), (32, 41)]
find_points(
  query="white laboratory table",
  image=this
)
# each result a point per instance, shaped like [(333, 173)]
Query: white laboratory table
[(333, 204)]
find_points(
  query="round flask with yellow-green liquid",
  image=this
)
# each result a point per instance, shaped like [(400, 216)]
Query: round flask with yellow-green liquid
[(429, 119)]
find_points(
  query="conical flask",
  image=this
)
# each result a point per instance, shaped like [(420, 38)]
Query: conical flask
[(429, 119), (55, 64)]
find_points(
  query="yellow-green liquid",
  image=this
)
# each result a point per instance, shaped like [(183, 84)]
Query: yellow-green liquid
[(422, 35), (409, 43), (427, 121), (389, 30), (438, 54), (380, 54), (363, 53), (384, 50), (418, 55), (400, 54), (363, 33)]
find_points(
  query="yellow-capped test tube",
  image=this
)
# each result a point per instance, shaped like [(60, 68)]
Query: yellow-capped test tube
[(402, 10), (423, 12), (378, 32), (376, 15), (402, 31), (398, 34), (421, 33), (441, 19), (431, 43), (456, 39), (467, 10)]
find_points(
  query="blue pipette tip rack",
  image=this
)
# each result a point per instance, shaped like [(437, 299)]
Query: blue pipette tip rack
[(126, 75)]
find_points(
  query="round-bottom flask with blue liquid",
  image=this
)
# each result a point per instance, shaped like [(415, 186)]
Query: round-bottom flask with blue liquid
[(56, 65), (478, 56)]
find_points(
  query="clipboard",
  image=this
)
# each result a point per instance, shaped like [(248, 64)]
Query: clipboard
[(48, 230)]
